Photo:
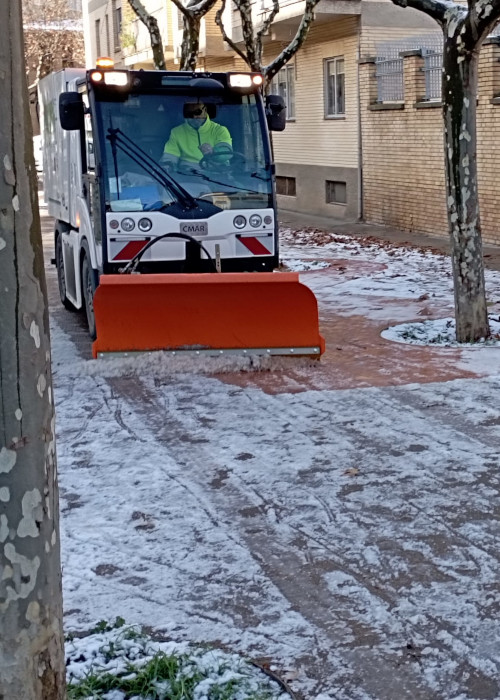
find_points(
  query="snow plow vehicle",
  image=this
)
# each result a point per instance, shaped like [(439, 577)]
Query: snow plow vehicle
[(166, 231)]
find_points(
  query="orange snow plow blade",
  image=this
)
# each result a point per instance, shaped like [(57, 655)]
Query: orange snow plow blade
[(244, 313)]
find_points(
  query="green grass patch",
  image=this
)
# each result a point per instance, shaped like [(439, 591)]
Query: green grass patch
[(116, 662)]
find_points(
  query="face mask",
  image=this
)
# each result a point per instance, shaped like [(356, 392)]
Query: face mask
[(196, 123)]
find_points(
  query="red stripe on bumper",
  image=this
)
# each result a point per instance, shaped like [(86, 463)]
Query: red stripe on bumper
[(255, 246), (131, 249)]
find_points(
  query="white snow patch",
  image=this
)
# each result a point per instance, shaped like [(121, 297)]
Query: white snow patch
[(303, 265), (439, 332)]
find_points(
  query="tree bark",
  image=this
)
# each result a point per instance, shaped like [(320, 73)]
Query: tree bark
[(190, 42), (193, 13), (253, 59), (31, 642), (155, 38), (459, 95), (225, 35)]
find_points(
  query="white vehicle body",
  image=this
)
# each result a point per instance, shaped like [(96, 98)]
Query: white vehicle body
[(111, 198), (62, 174)]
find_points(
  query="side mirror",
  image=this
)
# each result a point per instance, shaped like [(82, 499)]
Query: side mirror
[(71, 111), (275, 112)]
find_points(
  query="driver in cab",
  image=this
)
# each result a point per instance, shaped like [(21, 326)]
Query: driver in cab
[(197, 139)]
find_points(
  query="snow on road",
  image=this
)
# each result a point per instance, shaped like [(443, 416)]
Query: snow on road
[(349, 536)]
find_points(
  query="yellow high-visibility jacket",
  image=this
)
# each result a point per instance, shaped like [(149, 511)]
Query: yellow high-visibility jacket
[(185, 142)]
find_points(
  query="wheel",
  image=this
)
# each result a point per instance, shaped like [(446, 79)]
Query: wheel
[(61, 280), (88, 289)]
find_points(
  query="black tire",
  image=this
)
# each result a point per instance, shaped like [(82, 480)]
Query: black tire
[(88, 289), (61, 281)]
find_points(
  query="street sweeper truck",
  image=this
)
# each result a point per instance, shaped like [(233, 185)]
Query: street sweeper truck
[(162, 189)]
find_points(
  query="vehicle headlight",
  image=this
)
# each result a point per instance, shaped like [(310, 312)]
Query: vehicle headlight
[(145, 225), (128, 224), (255, 221), (239, 221)]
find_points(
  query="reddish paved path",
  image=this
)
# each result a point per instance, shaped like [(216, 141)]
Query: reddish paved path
[(356, 354)]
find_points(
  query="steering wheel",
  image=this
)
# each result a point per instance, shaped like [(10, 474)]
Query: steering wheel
[(223, 156)]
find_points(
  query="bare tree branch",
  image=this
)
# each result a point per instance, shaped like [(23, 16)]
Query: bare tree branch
[(181, 7), (244, 7), (193, 13), (151, 24), (225, 37), (272, 68), (194, 8), (481, 19), (200, 9), (252, 53), (437, 9), (265, 27)]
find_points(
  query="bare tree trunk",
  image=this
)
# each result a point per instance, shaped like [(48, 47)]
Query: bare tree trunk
[(151, 24), (459, 110), (31, 642), (254, 60), (190, 42), (193, 13)]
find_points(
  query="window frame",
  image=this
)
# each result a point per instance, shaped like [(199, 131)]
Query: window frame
[(330, 186), (108, 34), (117, 26), (97, 28), (288, 68), (326, 87), (287, 181)]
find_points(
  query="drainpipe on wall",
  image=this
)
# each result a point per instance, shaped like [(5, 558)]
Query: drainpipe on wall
[(360, 139)]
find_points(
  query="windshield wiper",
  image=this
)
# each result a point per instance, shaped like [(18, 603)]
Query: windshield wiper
[(118, 139), (259, 177)]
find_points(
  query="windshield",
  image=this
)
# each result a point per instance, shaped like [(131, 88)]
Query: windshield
[(215, 152)]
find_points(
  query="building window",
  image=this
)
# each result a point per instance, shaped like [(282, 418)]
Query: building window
[(283, 84), (286, 186), (334, 82), (336, 192), (117, 25), (98, 37), (108, 45)]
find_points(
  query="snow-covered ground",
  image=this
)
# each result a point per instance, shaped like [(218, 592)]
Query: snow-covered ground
[(347, 537)]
